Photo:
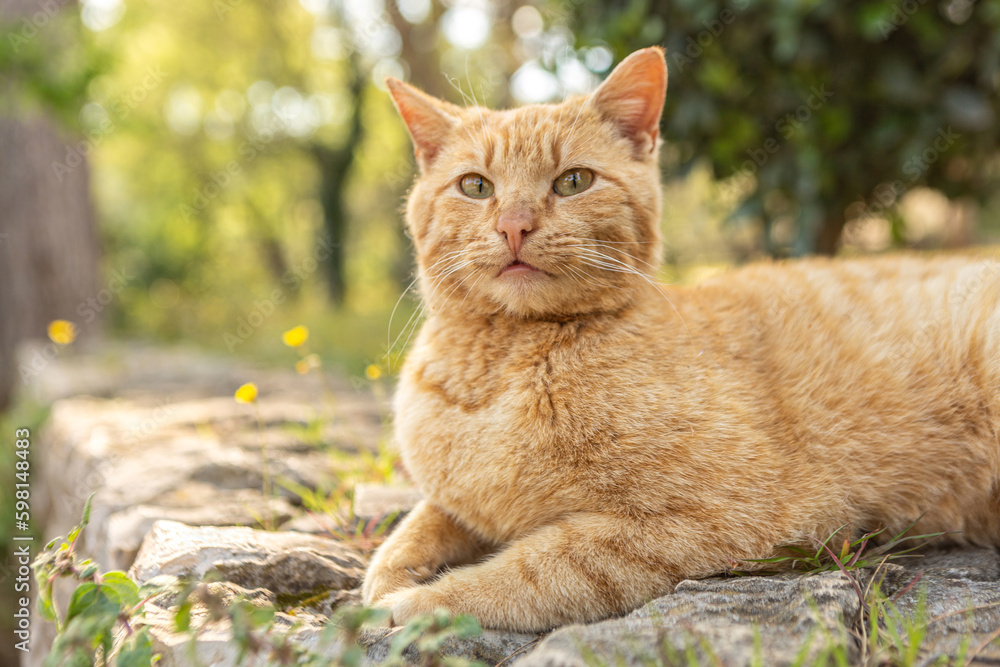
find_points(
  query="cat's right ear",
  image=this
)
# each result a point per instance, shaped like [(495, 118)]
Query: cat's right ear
[(426, 117)]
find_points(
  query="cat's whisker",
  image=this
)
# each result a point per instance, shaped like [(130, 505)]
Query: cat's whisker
[(435, 281), (478, 107), (611, 261), (612, 264), (471, 287), (388, 331), (580, 238), (450, 269), (579, 112), (618, 250), (411, 324), (420, 313), (480, 145), (654, 268), (590, 280)]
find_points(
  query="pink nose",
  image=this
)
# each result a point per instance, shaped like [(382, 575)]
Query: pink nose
[(514, 225)]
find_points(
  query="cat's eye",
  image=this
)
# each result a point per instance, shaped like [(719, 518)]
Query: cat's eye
[(573, 181), (476, 186)]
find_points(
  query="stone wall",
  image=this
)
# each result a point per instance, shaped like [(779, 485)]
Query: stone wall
[(175, 465)]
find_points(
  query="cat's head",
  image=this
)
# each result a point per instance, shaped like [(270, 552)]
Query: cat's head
[(542, 211)]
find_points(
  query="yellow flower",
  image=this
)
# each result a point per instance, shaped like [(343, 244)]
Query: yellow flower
[(373, 372), (62, 332), (302, 366), (295, 337), (246, 393)]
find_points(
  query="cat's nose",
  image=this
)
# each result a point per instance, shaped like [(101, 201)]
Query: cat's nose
[(514, 225)]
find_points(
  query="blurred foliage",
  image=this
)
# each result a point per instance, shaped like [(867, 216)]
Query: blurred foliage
[(248, 168), (47, 63), (208, 133), (829, 111)]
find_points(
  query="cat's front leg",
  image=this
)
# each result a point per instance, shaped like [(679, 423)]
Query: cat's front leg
[(582, 568), (425, 541)]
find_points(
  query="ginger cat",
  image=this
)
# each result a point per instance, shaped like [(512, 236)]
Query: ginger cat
[(585, 439)]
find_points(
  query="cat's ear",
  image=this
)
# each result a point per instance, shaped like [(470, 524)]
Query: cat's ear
[(632, 96), (427, 119)]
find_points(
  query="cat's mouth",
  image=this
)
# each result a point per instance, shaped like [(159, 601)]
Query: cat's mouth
[(517, 267)]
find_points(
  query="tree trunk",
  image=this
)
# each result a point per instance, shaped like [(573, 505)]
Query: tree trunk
[(335, 166), (49, 246)]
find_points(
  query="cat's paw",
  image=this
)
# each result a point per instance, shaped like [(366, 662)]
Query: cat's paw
[(409, 603), (382, 580)]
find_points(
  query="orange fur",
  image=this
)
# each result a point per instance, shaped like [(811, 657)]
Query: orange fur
[(587, 439)]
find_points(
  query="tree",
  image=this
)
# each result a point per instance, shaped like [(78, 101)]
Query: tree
[(49, 247), (830, 111), (335, 164)]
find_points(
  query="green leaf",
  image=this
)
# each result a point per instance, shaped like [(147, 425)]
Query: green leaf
[(89, 600), (261, 616), (118, 585), (182, 619), (352, 657), (466, 626), (46, 608), (137, 651), (83, 597), (85, 519), (87, 570)]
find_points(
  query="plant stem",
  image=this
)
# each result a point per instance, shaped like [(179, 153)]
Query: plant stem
[(266, 489)]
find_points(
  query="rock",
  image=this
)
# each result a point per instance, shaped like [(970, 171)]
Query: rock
[(314, 523), (956, 562), (720, 620), (491, 647), (288, 564), (957, 597), (166, 440), (305, 577), (127, 528), (376, 501), (215, 646)]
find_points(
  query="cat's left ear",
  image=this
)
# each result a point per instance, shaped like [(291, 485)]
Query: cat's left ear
[(632, 96), (427, 119)]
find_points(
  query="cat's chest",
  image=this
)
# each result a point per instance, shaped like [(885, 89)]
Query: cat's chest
[(487, 431)]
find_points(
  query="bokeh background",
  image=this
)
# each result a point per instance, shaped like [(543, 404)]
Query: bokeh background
[(213, 173)]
